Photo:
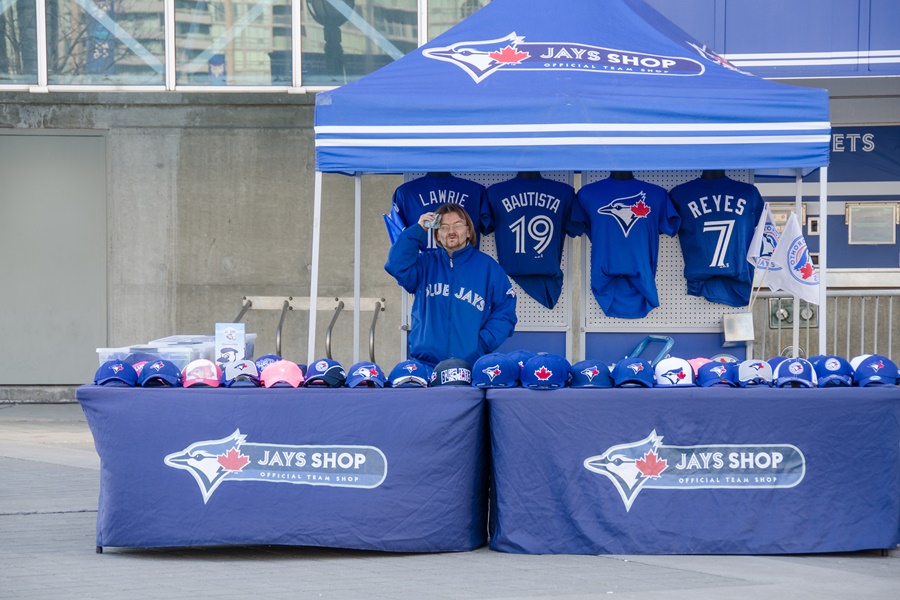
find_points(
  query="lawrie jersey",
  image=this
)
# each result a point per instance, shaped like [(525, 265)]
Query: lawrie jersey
[(429, 192), (718, 217), (530, 217), (625, 220)]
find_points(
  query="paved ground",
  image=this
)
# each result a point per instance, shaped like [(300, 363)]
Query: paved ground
[(49, 479)]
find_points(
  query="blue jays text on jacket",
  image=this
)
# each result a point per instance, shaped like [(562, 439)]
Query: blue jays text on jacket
[(464, 306)]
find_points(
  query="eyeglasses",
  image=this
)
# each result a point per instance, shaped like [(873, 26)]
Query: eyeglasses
[(455, 227)]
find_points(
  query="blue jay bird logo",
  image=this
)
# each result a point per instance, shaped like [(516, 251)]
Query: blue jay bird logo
[(478, 59), (208, 461), (627, 211), (626, 465)]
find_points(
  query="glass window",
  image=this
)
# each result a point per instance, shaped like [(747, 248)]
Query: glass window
[(18, 42), (346, 39), (872, 222), (444, 14), (233, 43), (116, 42)]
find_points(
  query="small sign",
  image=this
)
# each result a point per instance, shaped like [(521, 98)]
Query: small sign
[(229, 343)]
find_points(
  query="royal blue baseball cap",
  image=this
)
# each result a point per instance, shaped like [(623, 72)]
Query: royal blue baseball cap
[(717, 373), (495, 370), (410, 373), (160, 373), (546, 372), (632, 372), (591, 374), (116, 373), (451, 371), (795, 372), (366, 374), (833, 371), (520, 357), (265, 360), (325, 372), (875, 370)]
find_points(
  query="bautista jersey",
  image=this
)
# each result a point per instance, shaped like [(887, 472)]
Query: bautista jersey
[(625, 220), (529, 218), (427, 193), (718, 217)]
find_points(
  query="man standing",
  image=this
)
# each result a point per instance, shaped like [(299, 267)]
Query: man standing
[(464, 305)]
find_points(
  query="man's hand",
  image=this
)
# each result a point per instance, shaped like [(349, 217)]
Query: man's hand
[(428, 217)]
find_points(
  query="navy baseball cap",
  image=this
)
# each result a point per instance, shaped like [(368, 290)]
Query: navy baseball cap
[(410, 373), (546, 372), (451, 371), (265, 360), (876, 370), (591, 374), (754, 372), (833, 371), (495, 370), (365, 374), (717, 373), (325, 372), (116, 373), (795, 372), (159, 373), (242, 373), (633, 372)]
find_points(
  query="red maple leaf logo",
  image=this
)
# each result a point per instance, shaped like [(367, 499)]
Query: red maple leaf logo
[(233, 460), (543, 373), (640, 209), (806, 270), (650, 465), (681, 375), (509, 55)]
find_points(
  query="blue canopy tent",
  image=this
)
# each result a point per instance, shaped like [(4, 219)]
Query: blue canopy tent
[(568, 85)]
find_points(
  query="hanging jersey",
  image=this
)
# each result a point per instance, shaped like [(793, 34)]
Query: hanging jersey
[(625, 220), (429, 192), (718, 217), (530, 218)]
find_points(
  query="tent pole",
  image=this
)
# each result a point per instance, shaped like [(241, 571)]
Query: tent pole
[(357, 241), (798, 209), (823, 260), (314, 268)]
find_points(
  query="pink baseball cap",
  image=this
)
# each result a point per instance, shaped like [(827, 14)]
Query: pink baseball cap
[(201, 372), (696, 363), (282, 371)]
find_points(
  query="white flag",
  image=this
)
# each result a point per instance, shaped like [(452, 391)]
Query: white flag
[(792, 256), (765, 238)]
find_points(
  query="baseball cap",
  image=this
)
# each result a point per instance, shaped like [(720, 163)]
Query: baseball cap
[(633, 372), (833, 371), (410, 373), (138, 367), (451, 371), (795, 372), (754, 372), (520, 357), (775, 361), (855, 361), (325, 372), (495, 370), (115, 373), (159, 373), (546, 372), (674, 372), (281, 373), (591, 374), (136, 357), (201, 372), (696, 363), (716, 373), (876, 370), (242, 373), (365, 374), (265, 360)]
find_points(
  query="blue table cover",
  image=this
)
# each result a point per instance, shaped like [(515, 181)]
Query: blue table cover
[(401, 470), (695, 470)]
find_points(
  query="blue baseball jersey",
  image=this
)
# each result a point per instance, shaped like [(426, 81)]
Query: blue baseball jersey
[(427, 194), (718, 217), (529, 218), (625, 220)]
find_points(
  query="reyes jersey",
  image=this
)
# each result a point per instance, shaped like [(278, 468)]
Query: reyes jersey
[(718, 217), (427, 193), (530, 217), (625, 220)]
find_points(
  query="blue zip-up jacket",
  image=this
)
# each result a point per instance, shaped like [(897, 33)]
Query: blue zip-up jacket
[(464, 306)]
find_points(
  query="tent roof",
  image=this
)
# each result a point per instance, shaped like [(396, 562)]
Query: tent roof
[(567, 85)]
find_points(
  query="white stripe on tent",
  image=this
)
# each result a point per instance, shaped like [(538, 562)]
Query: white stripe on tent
[(568, 127), (821, 55), (571, 141)]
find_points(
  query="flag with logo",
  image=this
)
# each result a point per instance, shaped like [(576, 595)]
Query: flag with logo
[(792, 256), (765, 238)]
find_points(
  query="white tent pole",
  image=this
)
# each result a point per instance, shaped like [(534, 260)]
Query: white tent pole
[(798, 209), (823, 260), (314, 268), (357, 242)]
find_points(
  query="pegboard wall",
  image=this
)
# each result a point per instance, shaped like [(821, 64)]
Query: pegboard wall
[(677, 311)]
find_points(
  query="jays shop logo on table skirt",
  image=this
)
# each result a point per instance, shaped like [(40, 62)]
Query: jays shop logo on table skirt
[(648, 464), (211, 462)]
